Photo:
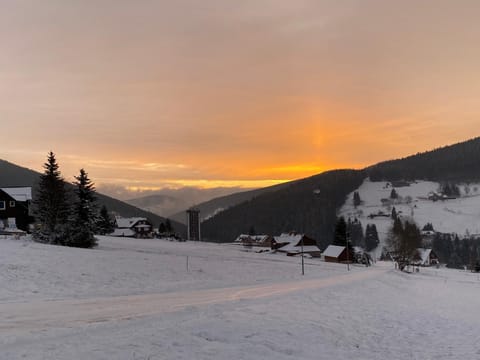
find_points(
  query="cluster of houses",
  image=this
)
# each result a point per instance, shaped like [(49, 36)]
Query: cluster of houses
[(293, 244), (15, 218)]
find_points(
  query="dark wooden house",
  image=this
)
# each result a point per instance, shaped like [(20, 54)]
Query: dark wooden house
[(15, 208), (338, 254)]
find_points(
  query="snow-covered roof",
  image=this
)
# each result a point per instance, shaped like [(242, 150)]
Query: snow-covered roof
[(241, 237), (333, 251), (258, 239), (19, 193), (288, 238), (125, 223), (293, 248), (424, 254)]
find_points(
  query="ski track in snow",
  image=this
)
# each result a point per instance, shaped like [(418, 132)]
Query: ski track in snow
[(135, 299), (34, 315)]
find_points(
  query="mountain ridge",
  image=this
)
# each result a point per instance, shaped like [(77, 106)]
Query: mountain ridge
[(15, 175), (280, 211)]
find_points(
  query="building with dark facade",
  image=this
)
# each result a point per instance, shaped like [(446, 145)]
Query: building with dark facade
[(193, 225), (15, 208)]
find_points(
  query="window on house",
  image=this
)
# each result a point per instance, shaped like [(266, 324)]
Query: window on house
[(2, 205), (12, 203)]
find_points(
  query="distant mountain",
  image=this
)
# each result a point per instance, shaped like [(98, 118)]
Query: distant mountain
[(163, 205), (311, 205), (14, 175), (212, 207), (172, 203)]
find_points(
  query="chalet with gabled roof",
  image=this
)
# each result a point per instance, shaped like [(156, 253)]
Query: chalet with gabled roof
[(338, 254), (15, 209), (137, 227), (293, 244), (425, 257), (254, 240)]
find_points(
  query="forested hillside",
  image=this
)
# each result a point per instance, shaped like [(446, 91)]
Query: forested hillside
[(308, 205), (14, 175), (297, 206), (214, 206), (459, 162)]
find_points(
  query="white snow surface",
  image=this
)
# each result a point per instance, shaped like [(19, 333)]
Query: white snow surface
[(460, 216), (136, 299), (333, 251)]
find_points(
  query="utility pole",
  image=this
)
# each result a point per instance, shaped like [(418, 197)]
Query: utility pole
[(303, 267), (347, 239)]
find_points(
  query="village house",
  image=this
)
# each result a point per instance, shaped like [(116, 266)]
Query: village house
[(15, 209), (337, 254), (254, 240), (137, 227), (425, 257), (293, 243)]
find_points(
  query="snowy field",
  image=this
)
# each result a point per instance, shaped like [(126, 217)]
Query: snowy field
[(137, 299), (460, 216)]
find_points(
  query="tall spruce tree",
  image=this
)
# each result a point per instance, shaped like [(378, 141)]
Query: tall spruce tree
[(50, 205), (168, 226), (84, 213), (340, 236), (104, 222), (393, 194), (404, 240), (355, 229), (356, 199), (371, 237)]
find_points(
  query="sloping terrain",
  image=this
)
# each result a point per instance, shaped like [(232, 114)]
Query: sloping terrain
[(135, 299), (213, 207), (294, 207), (459, 215), (308, 205), (13, 175)]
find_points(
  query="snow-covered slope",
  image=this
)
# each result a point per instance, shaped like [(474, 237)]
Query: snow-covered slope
[(135, 299), (460, 215)]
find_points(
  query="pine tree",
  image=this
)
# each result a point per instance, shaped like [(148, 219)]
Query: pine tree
[(104, 222), (84, 213), (356, 199), (371, 237), (394, 213), (428, 227), (161, 229), (340, 236), (50, 205), (168, 227), (355, 229), (404, 240), (393, 194)]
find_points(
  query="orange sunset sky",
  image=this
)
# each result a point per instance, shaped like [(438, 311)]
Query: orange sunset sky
[(149, 94)]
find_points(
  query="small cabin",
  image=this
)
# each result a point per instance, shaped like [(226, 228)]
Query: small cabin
[(136, 227), (338, 254), (15, 209)]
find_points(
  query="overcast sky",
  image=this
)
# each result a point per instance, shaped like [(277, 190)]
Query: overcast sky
[(149, 94)]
